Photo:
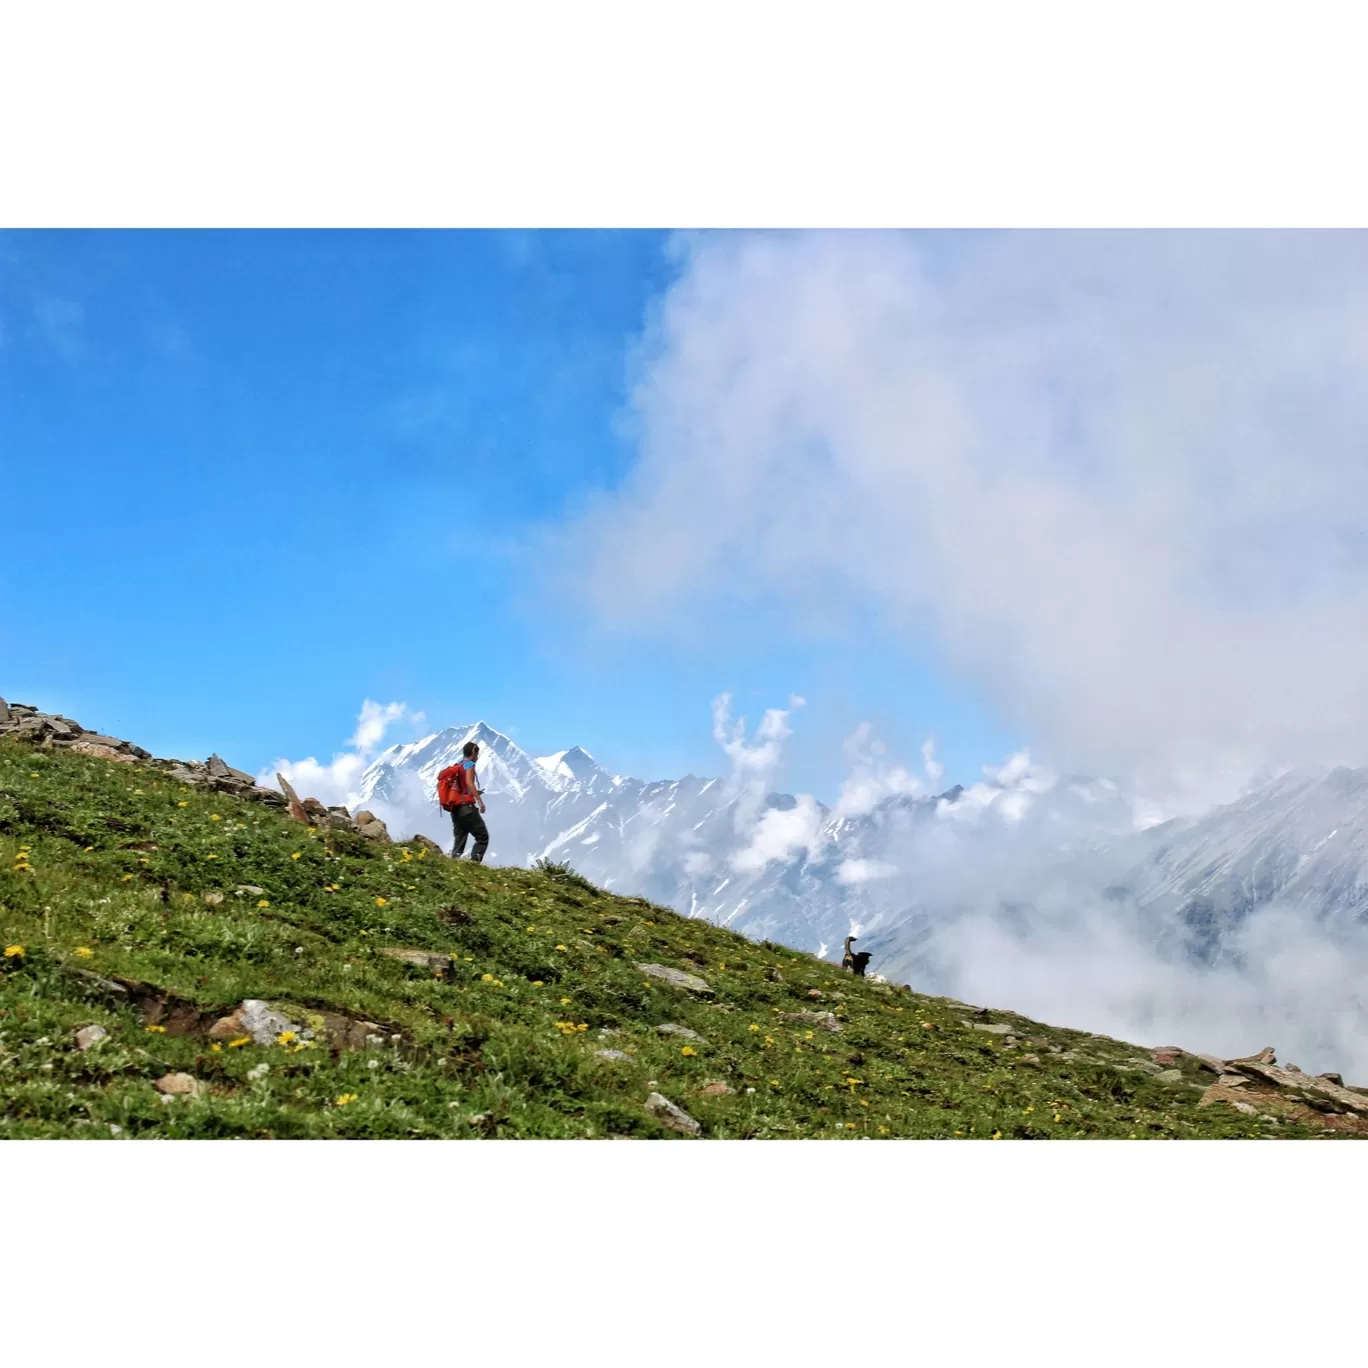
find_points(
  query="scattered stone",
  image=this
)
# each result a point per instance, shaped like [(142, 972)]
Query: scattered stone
[(100, 752), (671, 1116), (1167, 1055), (90, 1036), (1169, 1076), (993, 1028), (249, 891), (774, 976), (217, 769), (815, 993), (824, 1021), (676, 978), (213, 899), (177, 1085), (613, 1054), (422, 959), (256, 1019), (1029, 1059), (427, 844), (1223, 1092), (1332, 1078), (716, 1088), (670, 1028)]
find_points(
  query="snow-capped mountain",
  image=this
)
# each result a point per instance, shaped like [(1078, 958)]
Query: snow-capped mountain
[(771, 865)]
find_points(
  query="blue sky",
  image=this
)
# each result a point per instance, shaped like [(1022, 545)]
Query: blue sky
[(252, 479)]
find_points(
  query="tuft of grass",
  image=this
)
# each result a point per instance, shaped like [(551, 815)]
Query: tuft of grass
[(134, 903)]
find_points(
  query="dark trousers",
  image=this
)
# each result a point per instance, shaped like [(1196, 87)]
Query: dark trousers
[(467, 821)]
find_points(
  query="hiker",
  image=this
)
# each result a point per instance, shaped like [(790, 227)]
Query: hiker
[(459, 793)]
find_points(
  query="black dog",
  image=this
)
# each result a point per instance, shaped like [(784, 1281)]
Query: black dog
[(855, 960)]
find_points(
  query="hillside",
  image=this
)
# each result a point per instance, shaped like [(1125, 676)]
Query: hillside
[(251, 974)]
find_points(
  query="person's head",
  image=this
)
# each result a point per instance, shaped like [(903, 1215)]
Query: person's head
[(470, 750)]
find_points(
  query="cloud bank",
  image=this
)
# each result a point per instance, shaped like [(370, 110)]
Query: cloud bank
[(1117, 478)]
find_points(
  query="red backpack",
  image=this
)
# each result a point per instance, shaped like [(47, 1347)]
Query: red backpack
[(453, 787)]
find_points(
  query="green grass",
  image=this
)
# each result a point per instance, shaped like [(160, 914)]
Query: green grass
[(110, 870)]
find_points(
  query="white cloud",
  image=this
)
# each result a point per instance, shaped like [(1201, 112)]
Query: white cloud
[(335, 783), (1119, 476), (864, 871)]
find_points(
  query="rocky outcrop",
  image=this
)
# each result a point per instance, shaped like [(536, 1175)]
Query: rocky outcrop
[(671, 1116)]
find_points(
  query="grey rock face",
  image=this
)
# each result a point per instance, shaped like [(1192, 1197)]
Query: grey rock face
[(671, 1028)]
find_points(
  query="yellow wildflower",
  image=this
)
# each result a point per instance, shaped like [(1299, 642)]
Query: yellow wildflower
[(157, 1030), (127, 878), (754, 1027), (84, 951), (14, 952), (537, 983), (688, 1050), (285, 1037), (342, 1099), (216, 1049), (997, 1135), (850, 1125), (214, 817), (262, 902), (294, 855), (239, 1041), (380, 902), (774, 1082), (33, 774), (562, 947), (182, 803), (565, 1002)]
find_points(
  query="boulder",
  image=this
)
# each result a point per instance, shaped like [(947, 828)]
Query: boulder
[(992, 1028), (427, 844), (676, 978), (671, 1116), (1223, 1092), (90, 1036), (177, 1085), (370, 826), (218, 769), (670, 1028), (613, 1054), (256, 1019), (1167, 1055), (1265, 1056), (4, 712), (716, 1088)]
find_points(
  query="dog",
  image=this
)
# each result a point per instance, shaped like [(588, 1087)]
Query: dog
[(855, 960)]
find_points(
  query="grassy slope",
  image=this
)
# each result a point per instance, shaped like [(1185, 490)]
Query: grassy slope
[(506, 1046)]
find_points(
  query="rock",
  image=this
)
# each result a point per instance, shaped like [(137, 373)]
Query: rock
[(1332, 1078), (213, 899), (676, 978), (370, 826), (292, 799), (427, 844), (99, 751), (824, 1021), (613, 1054), (97, 739), (256, 1019), (1223, 1092), (423, 959), (993, 1028), (716, 1088), (249, 891), (217, 769), (774, 976), (815, 993), (1265, 1056), (670, 1028), (267, 796), (1167, 1054), (675, 1118), (1029, 1059), (90, 1036), (1316, 1092), (1169, 1076), (4, 712), (177, 1085)]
